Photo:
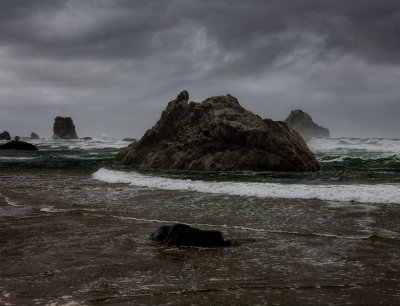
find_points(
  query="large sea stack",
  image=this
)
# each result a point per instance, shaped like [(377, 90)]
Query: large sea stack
[(218, 134), (5, 136), (304, 125), (64, 128)]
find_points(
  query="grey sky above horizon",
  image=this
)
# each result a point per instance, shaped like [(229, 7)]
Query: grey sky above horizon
[(113, 65)]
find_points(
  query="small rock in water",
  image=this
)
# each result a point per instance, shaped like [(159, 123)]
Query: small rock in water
[(5, 136), (184, 235), (18, 145), (34, 136)]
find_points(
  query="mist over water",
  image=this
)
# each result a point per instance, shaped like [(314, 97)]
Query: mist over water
[(74, 226)]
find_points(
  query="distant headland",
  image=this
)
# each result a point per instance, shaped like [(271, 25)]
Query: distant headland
[(304, 125)]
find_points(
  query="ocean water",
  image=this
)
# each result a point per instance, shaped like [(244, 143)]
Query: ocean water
[(74, 228)]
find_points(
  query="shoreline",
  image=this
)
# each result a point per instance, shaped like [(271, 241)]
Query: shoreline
[(68, 238)]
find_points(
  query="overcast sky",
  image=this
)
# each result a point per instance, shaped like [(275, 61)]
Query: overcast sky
[(113, 65)]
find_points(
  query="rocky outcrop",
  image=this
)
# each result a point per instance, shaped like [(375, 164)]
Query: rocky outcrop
[(34, 136), (218, 134), (64, 128), (184, 235), (5, 136), (18, 145), (304, 125)]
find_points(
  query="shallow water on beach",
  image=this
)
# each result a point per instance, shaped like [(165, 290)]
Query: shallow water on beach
[(74, 229)]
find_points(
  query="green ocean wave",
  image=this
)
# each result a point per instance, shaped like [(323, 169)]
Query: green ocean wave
[(342, 160)]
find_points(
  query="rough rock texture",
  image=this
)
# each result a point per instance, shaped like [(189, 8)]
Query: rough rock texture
[(5, 136), (304, 125), (64, 128), (34, 136), (184, 235), (18, 145), (218, 134)]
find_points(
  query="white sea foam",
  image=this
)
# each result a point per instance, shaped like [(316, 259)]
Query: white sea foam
[(52, 209), (96, 143), (246, 228), (9, 202), (367, 144), (15, 158), (367, 157), (338, 159), (71, 144), (379, 193)]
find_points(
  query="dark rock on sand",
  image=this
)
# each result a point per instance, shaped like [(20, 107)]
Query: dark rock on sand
[(5, 136), (184, 235), (18, 145), (64, 128), (304, 125), (34, 136), (218, 134)]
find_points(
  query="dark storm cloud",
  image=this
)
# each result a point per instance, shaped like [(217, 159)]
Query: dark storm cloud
[(128, 58), (264, 29)]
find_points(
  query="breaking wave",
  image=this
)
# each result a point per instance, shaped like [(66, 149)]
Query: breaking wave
[(378, 193)]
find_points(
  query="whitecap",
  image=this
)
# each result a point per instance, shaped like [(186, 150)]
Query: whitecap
[(338, 159), (345, 143)]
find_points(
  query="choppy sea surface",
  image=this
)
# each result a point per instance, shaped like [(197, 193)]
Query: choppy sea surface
[(74, 228)]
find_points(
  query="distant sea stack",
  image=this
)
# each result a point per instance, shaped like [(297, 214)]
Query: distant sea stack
[(5, 136), (304, 125), (64, 128), (218, 135), (34, 136)]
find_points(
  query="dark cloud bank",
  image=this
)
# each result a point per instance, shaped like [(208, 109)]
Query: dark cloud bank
[(113, 65)]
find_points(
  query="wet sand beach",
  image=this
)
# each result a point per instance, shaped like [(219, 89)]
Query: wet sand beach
[(69, 238)]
